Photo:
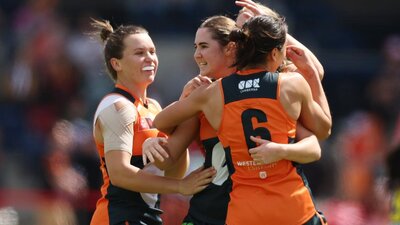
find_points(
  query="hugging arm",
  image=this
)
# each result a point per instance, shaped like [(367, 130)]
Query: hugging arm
[(315, 114), (172, 154), (114, 128), (305, 150), (182, 110)]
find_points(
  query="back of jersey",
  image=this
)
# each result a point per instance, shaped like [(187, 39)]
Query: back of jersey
[(261, 194)]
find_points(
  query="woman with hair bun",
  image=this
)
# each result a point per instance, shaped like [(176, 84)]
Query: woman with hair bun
[(258, 103), (122, 122)]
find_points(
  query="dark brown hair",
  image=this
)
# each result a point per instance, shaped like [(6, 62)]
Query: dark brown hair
[(220, 28), (113, 40), (257, 38)]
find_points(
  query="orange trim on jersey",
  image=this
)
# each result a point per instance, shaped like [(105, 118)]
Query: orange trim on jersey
[(261, 194), (250, 71), (144, 102)]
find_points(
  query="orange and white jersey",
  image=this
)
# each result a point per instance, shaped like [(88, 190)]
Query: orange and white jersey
[(116, 204)]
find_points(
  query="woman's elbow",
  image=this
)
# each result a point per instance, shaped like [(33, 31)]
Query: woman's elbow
[(116, 180), (161, 127), (117, 177), (324, 133), (317, 155), (156, 123)]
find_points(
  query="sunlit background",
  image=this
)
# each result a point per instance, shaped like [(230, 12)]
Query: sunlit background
[(52, 77)]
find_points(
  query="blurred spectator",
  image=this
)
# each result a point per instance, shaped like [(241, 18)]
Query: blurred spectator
[(72, 167), (361, 146), (46, 61), (393, 166)]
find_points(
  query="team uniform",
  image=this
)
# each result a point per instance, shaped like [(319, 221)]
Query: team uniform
[(118, 205), (275, 193), (209, 206)]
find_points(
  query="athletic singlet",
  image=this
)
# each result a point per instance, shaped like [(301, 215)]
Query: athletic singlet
[(210, 205), (275, 193), (116, 204)]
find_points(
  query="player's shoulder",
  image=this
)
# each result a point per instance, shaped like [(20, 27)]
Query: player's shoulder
[(291, 78), (115, 104), (292, 75), (292, 82)]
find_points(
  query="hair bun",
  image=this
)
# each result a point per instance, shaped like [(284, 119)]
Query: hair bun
[(238, 35), (105, 33)]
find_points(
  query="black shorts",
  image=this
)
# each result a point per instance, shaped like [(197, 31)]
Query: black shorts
[(190, 220), (150, 218), (317, 219)]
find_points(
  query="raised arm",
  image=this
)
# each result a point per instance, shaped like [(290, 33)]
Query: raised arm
[(303, 60), (293, 42), (297, 98)]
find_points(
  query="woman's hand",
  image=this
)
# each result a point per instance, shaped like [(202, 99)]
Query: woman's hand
[(153, 148), (196, 181), (303, 61), (193, 84), (252, 8), (266, 152)]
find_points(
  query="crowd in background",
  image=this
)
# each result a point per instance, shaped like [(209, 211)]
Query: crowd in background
[(49, 167)]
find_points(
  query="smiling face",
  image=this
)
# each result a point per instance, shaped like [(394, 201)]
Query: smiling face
[(139, 61), (210, 56)]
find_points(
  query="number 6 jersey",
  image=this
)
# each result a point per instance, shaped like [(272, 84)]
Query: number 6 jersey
[(275, 193)]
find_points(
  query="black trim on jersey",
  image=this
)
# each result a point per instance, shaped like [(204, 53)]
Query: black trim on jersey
[(124, 93), (126, 205), (234, 90), (229, 162), (291, 140), (210, 206), (208, 145)]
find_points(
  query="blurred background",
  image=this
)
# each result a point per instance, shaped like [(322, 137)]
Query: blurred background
[(52, 77)]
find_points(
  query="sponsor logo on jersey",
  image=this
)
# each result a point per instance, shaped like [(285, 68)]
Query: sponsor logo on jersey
[(254, 164), (249, 85)]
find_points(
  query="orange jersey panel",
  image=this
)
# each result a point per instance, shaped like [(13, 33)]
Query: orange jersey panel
[(261, 194), (117, 204)]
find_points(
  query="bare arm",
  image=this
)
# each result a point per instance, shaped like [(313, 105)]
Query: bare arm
[(297, 99), (194, 83), (303, 61), (182, 110), (291, 41), (259, 9), (304, 151), (114, 129), (124, 175), (315, 113), (171, 154)]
